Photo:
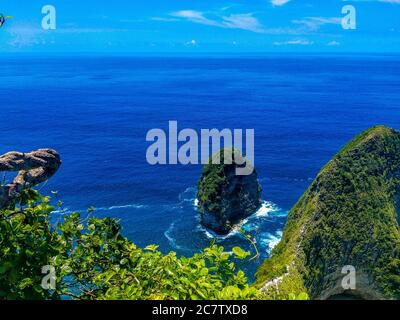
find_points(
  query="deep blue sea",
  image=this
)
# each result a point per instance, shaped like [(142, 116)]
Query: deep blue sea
[(96, 112)]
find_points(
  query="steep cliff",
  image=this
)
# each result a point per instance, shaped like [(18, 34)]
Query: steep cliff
[(348, 216), (226, 198)]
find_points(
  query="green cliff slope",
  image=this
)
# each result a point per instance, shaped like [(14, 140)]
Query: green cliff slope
[(348, 216)]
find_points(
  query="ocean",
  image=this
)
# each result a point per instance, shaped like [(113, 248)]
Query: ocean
[(97, 110)]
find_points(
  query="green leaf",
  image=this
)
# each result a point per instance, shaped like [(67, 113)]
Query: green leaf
[(292, 296), (151, 247), (240, 253), (25, 283), (303, 296)]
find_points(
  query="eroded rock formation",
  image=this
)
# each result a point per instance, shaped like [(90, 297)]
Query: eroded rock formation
[(226, 198), (33, 168)]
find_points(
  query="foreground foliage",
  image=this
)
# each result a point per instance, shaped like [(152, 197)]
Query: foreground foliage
[(92, 260)]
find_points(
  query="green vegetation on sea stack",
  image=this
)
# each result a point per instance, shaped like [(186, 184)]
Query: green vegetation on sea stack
[(348, 216), (225, 198)]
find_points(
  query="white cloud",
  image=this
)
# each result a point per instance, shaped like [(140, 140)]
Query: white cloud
[(244, 21), (88, 30), (390, 1), (315, 23), (385, 1), (192, 43), (195, 16), (333, 43), (163, 19), (28, 34), (248, 22), (279, 2), (24, 35), (298, 42)]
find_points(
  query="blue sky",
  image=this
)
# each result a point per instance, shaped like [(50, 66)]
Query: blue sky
[(183, 26)]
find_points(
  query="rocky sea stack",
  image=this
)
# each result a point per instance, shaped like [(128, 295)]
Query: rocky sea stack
[(226, 198), (347, 217)]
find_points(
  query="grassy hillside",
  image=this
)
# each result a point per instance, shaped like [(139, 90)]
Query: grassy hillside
[(348, 216)]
